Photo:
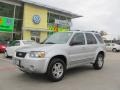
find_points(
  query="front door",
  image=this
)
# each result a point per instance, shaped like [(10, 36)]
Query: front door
[(13, 46), (77, 49)]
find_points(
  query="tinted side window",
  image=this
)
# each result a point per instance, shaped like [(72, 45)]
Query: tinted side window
[(90, 39), (79, 39), (99, 38)]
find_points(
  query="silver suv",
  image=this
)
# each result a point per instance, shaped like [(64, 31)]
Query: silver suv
[(61, 51)]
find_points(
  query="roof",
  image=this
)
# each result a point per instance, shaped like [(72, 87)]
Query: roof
[(68, 13)]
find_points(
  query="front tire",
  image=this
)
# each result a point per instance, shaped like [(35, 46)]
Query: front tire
[(114, 50), (99, 62), (6, 55), (56, 70)]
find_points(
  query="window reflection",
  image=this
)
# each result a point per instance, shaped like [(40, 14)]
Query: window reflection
[(7, 10)]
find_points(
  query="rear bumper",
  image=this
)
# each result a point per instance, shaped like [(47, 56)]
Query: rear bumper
[(32, 65)]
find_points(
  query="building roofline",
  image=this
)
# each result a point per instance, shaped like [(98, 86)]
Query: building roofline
[(68, 13)]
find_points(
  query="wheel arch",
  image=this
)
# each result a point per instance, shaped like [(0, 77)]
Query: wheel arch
[(59, 56), (101, 52)]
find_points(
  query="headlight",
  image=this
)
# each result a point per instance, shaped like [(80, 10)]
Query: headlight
[(37, 54)]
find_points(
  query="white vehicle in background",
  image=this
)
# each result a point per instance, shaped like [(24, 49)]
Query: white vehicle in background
[(17, 44), (113, 47)]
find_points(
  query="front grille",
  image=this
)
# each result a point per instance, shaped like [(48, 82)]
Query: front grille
[(20, 54)]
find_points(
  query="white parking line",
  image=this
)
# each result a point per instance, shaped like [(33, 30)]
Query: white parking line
[(8, 68), (3, 59)]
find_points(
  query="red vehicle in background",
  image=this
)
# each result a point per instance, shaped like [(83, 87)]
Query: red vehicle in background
[(2, 48), (3, 45)]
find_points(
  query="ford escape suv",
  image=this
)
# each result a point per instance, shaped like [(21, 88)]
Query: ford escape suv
[(61, 51)]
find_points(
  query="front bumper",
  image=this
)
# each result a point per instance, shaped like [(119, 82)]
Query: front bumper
[(32, 65)]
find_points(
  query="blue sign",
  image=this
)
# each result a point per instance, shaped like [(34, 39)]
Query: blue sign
[(9, 21), (36, 19)]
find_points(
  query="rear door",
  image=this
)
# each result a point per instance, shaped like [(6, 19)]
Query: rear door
[(91, 46), (14, 45)]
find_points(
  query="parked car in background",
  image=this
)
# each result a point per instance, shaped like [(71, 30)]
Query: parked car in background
[(13, 45), (3, 44), (113, 47), (2, 48), (61, 51)]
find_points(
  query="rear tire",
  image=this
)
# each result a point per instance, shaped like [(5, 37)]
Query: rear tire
[(56, 70), (99, 62)]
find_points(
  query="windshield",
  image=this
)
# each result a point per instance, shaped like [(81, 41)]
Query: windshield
[(14, 43), (59, 38)]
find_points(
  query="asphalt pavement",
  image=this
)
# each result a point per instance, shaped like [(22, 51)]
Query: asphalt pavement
[(80, 78)]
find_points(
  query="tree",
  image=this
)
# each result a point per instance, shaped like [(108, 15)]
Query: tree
[(103, 33)]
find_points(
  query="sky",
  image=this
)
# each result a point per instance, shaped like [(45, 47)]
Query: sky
[(97, 14)]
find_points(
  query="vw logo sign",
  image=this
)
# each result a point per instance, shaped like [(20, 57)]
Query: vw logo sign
[(36, 19)]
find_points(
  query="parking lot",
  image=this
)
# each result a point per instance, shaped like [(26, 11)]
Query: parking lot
[(81, 78)]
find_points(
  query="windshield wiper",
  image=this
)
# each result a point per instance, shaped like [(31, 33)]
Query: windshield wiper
[(50, 43)]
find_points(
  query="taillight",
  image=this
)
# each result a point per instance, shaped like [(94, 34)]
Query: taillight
[(3, 46)]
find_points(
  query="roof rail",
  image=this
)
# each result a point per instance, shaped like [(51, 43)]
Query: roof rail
[(86, 31), (75, 30), (93, 31)]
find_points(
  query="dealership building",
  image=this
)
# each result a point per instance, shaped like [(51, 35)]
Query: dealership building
[(28, 20)]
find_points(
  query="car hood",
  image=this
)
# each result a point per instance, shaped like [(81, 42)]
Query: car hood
[(42, 47)]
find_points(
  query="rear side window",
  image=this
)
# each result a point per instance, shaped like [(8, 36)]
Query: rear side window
[(90, 38), (99, 38)]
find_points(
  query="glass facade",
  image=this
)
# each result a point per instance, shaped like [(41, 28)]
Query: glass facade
[(52, 17), (6, 10), (16, 12)]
